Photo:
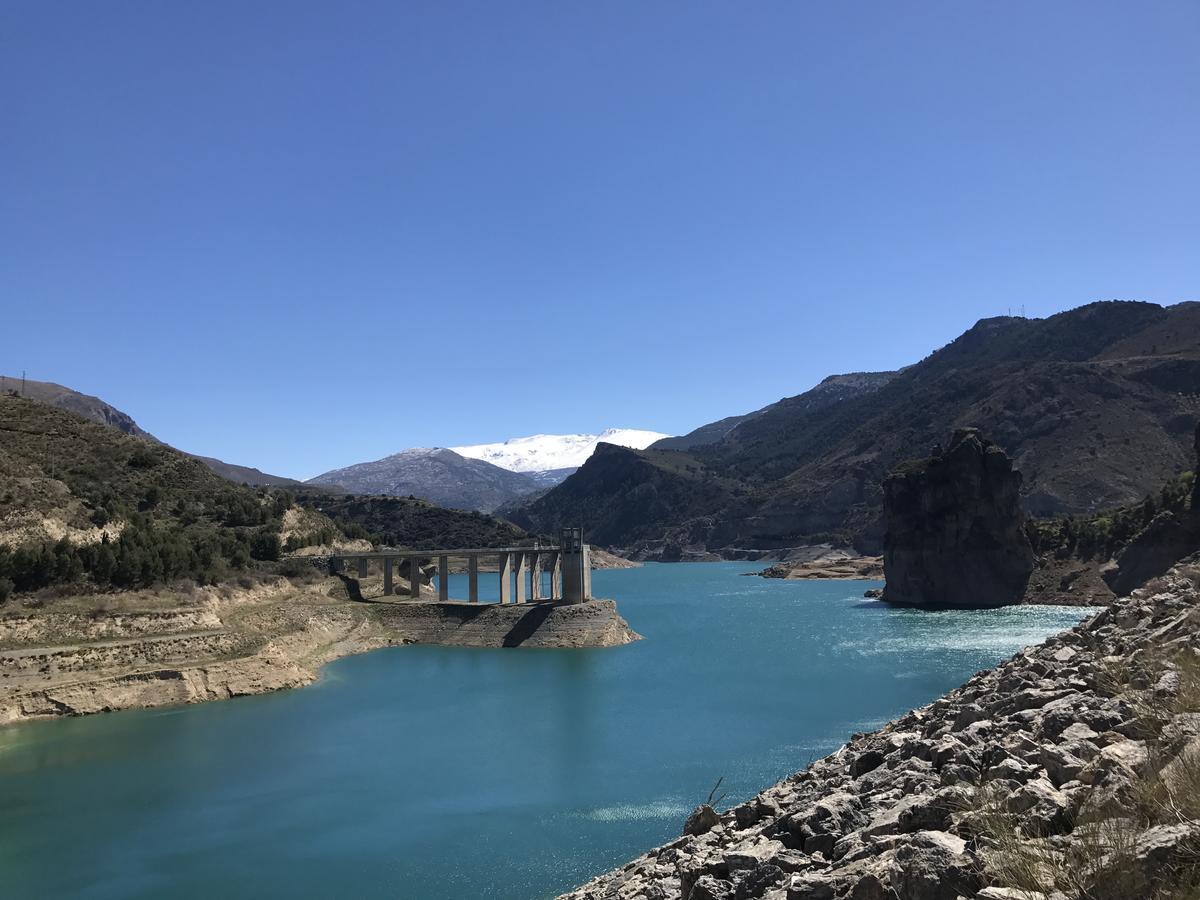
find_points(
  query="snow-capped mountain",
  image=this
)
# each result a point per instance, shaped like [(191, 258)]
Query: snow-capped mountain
[(483, 477), (554, 452)]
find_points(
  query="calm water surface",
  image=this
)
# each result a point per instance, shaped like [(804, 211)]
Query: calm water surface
[(430, 773)]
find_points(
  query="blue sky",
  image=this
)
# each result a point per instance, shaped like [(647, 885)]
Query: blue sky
[(300, 235)]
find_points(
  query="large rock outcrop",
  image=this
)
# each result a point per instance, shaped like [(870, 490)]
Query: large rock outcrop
[(955, 535)]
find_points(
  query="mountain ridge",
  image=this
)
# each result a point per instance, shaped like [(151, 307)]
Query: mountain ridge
[(1092, 403), (437, 474), (544, 453), (96, 410)]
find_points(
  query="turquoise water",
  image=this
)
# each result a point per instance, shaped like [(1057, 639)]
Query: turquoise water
[(425, 772)]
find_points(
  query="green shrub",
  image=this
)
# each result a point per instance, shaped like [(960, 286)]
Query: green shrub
[(264, 545), (143, 458)]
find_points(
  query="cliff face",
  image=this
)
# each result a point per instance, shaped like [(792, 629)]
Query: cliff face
[(954, 529)]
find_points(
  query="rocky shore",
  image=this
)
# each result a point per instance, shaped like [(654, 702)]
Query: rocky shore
[(1070, 770), (825, 562), (217, 643)]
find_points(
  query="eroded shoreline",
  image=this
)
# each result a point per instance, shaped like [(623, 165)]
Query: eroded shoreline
[(270, 637)]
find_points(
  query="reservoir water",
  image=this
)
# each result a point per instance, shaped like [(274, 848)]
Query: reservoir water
[(436, 773)]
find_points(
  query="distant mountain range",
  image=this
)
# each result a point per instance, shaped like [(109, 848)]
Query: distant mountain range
[(1096, 406), (436, 474), (483, 477), (545, 453)]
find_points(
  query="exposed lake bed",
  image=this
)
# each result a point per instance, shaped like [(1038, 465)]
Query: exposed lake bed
[(446, 772)]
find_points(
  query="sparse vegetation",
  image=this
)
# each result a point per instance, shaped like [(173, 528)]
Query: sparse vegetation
[(1101, 859), (1101, 536), (409, 522), (164, 515), (139, 513)]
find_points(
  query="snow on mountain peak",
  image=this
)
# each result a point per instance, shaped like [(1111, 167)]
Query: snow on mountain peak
[(545, 452)]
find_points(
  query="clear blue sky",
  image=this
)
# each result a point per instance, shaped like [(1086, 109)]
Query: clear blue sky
[(300, 235)]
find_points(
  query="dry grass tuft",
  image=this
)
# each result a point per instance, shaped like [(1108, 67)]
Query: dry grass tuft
[(1099, 859)]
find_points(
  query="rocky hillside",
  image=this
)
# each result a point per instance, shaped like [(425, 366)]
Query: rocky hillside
[(833, 390), (85, 405), (438, 475), (96, 410), (1070, 771), (627, 497), (248, 475), (1095, 405)]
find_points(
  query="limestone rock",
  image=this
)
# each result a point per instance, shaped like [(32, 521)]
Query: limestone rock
[(934, 865), (702, 820), (954, 529)]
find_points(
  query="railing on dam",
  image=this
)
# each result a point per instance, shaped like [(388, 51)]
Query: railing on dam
[(519, 569)]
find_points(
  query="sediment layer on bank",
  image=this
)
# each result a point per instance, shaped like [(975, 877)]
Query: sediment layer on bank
[(232, 643), (1072, 769), (593, 624)]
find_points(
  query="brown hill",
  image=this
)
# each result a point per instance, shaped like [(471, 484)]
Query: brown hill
[(1095, 405), (96, 410), (92, 408)]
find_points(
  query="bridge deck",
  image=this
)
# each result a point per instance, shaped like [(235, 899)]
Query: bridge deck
[(568, 563), (471, 551)]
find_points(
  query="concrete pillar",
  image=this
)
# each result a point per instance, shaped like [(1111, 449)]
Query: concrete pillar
[(522, 574), (473, 578), (362, 566), (535, 577), (414, 577), (386, 562), (443, 578), (556, 576), (576, 567), (335, 564), (506, 578)]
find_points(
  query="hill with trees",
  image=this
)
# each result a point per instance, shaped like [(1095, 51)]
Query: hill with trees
[(91, 506), (84, 503), (412, 523), (97, 410)]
